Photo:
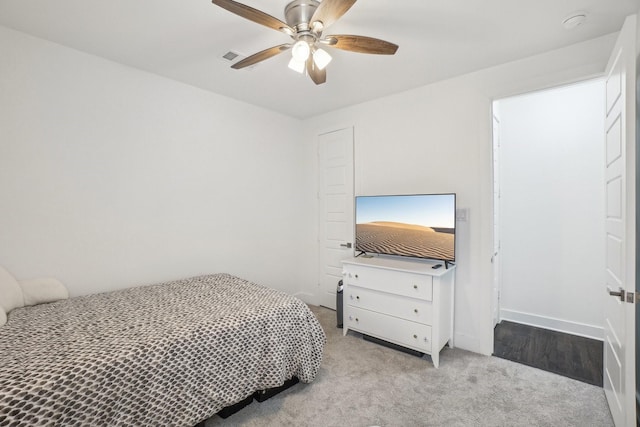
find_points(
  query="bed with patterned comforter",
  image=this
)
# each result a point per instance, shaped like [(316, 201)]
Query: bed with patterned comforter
[(169, 354)]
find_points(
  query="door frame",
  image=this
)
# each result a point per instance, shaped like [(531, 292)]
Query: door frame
[(632, 395), (496, 256)]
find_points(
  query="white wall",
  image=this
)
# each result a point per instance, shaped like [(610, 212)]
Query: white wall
[(112, 177), (437, 138), (552, 208)]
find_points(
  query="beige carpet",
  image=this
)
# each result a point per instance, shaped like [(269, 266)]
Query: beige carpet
[(365, 384)]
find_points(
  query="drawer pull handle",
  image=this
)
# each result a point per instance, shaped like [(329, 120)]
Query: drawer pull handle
[(415, 336), (358, 297), (415, 286), (357, 320), (356, 276), (415, 310), (425, 339)]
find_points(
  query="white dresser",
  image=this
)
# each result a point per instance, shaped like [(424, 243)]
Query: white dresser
[(404, 302)]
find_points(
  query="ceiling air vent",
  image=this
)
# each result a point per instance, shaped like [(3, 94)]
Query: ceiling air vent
[(230, 56)]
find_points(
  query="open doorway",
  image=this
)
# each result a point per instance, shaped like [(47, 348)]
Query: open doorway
[(549, 234)]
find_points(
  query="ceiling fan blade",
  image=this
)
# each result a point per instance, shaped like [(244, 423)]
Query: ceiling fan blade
[(317, 75), (261, 56), (360, 44), (254, 15), (329, 11)]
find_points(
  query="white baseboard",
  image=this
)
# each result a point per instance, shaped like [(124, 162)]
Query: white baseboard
[(560, 325), (469, 343)]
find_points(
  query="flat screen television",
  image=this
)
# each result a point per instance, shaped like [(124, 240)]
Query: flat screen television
[(416, 225)]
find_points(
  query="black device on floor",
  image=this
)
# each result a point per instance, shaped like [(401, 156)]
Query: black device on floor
[(339, 304)]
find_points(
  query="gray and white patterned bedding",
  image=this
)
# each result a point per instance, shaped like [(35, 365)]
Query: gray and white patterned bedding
[(171, 354)]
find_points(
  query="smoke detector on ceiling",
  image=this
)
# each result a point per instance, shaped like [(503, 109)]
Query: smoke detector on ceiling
[(574, 20)]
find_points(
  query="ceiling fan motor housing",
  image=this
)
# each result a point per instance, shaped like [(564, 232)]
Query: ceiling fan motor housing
[(298, 13)]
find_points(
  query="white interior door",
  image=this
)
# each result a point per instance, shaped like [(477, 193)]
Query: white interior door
[(335, 194), (619, 327)]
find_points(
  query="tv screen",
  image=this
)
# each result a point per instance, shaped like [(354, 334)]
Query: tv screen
[(417, 225)]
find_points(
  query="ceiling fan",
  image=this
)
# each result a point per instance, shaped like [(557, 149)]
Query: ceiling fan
[(306, 20)]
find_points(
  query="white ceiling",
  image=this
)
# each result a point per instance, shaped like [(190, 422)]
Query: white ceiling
[(185, 39)]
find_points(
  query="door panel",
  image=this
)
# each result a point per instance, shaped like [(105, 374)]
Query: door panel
[(620, 169), (614, 141), (335, 200)]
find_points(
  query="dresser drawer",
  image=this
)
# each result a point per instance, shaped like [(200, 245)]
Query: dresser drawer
[(397, 282), (414, 309), (398, 331)]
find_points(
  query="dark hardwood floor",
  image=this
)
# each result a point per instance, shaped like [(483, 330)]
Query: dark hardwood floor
[(564, 354)]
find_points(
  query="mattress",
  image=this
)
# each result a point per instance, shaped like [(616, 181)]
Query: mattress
[(168, 354)]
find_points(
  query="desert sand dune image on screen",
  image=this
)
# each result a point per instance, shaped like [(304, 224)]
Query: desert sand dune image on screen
[(395, 238)]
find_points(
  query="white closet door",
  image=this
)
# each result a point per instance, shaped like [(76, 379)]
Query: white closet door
[(335, 194)]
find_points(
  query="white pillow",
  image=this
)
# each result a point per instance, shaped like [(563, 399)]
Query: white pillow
[(10, 292), (3, 316), (43, 290), (40, 291)]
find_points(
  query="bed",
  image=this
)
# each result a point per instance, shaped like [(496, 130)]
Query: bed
[(174, 354)]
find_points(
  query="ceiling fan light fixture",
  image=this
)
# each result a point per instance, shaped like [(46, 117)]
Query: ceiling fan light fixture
[(298, 66), (321, 58), (300, 51)]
